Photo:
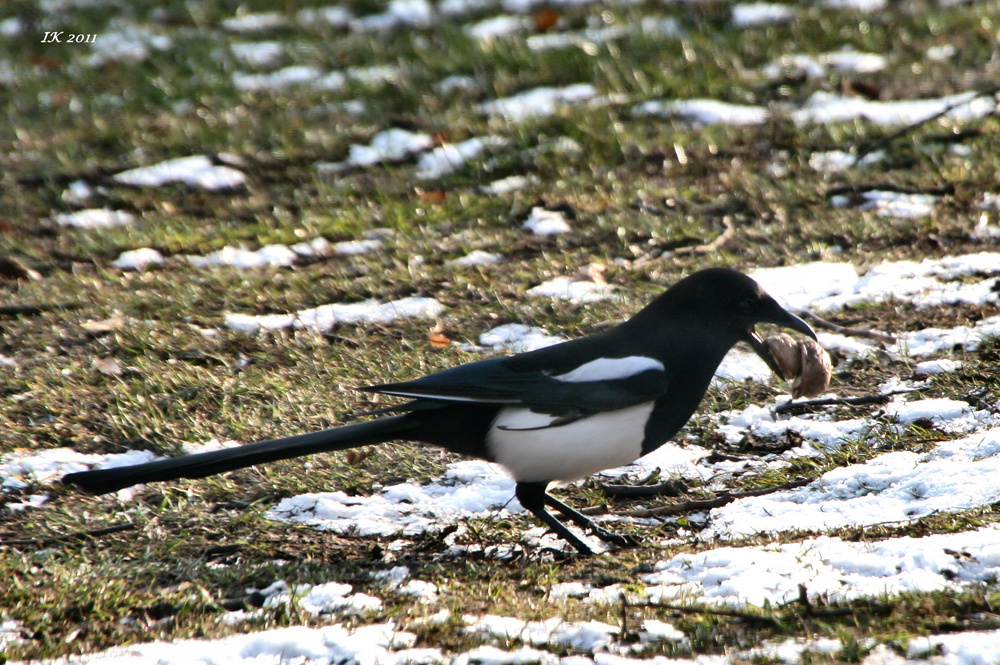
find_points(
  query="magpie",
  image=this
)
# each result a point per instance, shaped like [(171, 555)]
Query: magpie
[(559, 413)]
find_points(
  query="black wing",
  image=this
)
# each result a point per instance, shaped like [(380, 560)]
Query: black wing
[(495, 381)]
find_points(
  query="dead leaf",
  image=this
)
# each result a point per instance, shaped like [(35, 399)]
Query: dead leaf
[(434, 197), (108, 366), (546, 20), (591, 273), (438, 339), (103, 327), (14, 270)]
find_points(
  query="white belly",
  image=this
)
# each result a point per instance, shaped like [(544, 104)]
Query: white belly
[(568, 452)]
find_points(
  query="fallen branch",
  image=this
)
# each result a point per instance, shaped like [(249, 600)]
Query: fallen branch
[(838, 401), (697, 504), (672, 487), (849, 332), (79, 535), (886, 140), (725, 236), (33, 310)]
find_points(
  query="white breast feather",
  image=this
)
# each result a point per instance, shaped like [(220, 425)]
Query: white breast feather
[(568, 452)]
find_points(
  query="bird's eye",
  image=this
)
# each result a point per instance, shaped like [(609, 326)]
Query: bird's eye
[(748, 307)]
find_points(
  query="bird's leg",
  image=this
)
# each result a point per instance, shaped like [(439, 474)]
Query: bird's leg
[(533, 497), (585, 522)]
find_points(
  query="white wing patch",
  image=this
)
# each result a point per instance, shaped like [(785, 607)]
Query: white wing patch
[(608, 369)]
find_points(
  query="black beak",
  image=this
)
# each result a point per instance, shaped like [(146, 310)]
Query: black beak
[(779, 316)]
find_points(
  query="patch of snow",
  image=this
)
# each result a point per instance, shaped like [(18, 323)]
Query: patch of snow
[(267, 256), (398, 14), (261, 55), (476, 258), (497, 27), (942, 366), (131, 43), (94, 218), (818, 66), (78, 193), (468, 489), (507, 185), (456, 83), (538, 102), (585, 40), (838, 161), (251, 22), (705, 112), (278, 80), (451, 157), (391, 145), (18, 471), (195, 171), (544, 222), (893, 487), (517, 338), (902, 205), (825, 107), (325, 317), (572, 289), (752, 14), (138, 259), (832, 568), (334, 16)]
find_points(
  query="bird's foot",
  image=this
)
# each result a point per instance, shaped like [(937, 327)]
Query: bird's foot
[(614, 538)]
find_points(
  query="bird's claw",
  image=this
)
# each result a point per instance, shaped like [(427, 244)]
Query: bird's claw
[(614, 538)]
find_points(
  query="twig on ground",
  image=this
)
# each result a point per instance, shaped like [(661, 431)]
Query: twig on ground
[(79, 535), (906, 129), (688, 506), (729, 232), (33, 310), (839, 401), (849, 332), (672, 487)]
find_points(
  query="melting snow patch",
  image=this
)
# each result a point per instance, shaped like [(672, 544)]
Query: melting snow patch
[(746, 15), (894, 487), (20, 471), (195, 171), (94, 218), (468, 489), (129, 44), (539, 102), (517, 338), (391, 145), (258, 54), (269, 255), (255, 22), (943, 366), (138, 259), (398, 14), (572, 289), (476, 258), (279, 80), (828, 567), (497, 27), (508, 184), (325, 317), (822, 286), (544, 222), (825, 107), (838, 161), (451, 157), (902, 205), (817, 66), (705, 112), (319, 599)]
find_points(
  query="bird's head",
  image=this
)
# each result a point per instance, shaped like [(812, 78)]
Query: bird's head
[(726, 305)]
